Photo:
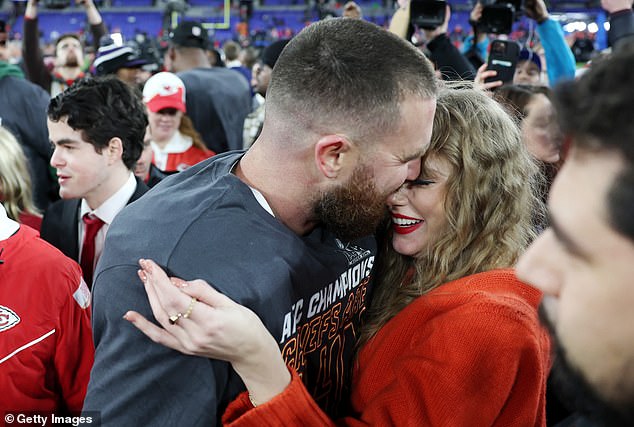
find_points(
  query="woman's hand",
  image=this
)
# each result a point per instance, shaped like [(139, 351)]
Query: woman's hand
[(612, 6), (483, 74), (476, 13), (441, 29), (206, 323)]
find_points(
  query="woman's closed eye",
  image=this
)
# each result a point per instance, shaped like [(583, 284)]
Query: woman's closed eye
[(419, 182)]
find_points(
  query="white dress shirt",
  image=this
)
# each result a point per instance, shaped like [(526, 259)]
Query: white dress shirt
[(105, 212)]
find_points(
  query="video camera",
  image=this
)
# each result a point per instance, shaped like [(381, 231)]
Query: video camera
[(498, 15), (427, 14), (56, 4)]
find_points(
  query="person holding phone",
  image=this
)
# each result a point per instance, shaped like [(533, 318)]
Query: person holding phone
[(503, 59), (447, 59), (559, 59)]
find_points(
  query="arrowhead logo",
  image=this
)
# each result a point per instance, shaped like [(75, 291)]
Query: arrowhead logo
[(353, 253), (8, 318)]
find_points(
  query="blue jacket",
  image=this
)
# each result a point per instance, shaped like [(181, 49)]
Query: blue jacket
[(559, 58)]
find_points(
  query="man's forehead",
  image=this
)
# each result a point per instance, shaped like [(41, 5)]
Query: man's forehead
[(69, 41), (580, 190), (528, 65)]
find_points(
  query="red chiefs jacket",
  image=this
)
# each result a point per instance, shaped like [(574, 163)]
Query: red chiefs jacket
[(46, 348)]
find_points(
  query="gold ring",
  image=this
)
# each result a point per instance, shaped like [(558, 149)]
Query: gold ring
[(190, 308), (174, 318)]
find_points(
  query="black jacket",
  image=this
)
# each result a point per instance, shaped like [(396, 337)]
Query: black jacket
[(59, 226), (23, 112)]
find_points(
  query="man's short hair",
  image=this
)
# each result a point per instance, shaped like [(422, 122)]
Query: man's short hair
[(67, 36), (347, 74), (272, 52), (232, 50), (103, 108), (597, 111)]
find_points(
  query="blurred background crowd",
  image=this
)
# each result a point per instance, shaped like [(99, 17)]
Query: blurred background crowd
[(257, 23)]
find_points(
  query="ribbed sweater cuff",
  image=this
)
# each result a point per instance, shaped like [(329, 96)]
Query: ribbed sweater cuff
[(293, 407)]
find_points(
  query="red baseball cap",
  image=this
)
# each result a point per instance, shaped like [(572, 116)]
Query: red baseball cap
[(164, 90)]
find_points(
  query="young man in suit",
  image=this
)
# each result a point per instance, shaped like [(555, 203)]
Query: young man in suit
[(96, 128)]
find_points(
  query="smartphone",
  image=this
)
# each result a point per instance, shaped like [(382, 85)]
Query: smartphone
[(503, 58)]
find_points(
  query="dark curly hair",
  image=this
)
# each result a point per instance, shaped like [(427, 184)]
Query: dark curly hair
[(103, 108)]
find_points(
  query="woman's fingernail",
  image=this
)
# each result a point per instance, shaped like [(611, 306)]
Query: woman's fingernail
[(179, 283)]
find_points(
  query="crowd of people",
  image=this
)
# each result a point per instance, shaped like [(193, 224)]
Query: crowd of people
[(346, 230)]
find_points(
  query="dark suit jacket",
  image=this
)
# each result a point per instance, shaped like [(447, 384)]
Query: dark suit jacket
[(59, 226)]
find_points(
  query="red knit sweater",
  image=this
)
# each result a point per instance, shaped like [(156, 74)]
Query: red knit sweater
[(469, 353)]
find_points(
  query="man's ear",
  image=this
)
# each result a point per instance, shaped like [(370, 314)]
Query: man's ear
[(114, 150), (332, 152), (171, 53)]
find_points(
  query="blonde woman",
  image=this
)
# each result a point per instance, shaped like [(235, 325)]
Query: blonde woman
[(452, 338), (16, 193)]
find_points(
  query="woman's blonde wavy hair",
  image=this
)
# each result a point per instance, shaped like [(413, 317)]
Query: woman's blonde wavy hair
[(491, 199), (16, 193)]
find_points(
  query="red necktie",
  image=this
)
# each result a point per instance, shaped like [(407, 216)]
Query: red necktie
[(92, 225)]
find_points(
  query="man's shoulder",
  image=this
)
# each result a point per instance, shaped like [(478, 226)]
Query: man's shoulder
[(201, 177), (140, 189), (180, 199), (51, 262), (219, 75), (59, 207), (194, 74), (19, 85)]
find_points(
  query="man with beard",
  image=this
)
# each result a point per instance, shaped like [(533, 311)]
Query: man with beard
[(69, 55), (584, 263), (291, 218)]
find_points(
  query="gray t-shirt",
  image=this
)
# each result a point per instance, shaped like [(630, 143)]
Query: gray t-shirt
[(205, 223)]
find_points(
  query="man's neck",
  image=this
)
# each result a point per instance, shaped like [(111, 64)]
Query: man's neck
[(107, 189), (284, 190), (68, 73), (187, 61)]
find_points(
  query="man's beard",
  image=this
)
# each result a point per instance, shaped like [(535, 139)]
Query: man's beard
[(71, 60), (352, 210), (577, 393)]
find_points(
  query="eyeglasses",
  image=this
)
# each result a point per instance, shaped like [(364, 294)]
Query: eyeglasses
[(167, 111)]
